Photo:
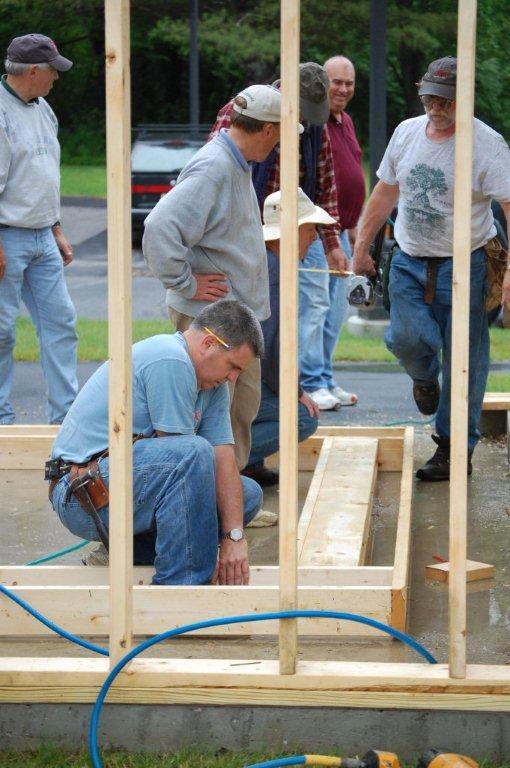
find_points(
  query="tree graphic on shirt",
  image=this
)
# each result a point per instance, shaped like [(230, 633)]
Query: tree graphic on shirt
[(421, 216)]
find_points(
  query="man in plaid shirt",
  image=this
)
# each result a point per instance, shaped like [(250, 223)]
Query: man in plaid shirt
[(317, 179)]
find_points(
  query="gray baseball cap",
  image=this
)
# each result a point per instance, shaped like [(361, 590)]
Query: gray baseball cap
[(313, 93), (440, 79), (37, 49)]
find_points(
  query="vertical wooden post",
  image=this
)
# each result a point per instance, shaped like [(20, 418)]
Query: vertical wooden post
[(289, 179), (118, 148), (466, 44)]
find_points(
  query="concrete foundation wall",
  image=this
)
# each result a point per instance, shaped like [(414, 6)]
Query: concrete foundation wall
[(139, 728)]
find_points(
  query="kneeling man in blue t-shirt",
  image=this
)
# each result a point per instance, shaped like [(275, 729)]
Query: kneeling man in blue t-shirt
[(187, 492)]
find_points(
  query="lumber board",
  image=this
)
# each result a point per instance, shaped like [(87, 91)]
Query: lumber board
[(402, 558), (389, 455), (335, 525), (84, 610), (462, 214), (474, 571), (496, 401), (290, 18), (249, 681), (260, 575), (27, 446)]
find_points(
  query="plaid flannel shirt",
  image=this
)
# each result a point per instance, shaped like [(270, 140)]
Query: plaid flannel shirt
[(325, 186)]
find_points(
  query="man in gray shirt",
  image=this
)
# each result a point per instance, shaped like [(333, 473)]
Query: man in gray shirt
[(204, 239), (418, 169), (33, 249)]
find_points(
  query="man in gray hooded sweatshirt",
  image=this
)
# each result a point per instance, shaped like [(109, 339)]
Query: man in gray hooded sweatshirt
[(204, 239)]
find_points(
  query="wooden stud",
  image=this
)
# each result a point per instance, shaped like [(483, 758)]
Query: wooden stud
[(474, 571), (118, 155), (289, 181), (402, 559), (335, 522), (466, 45)]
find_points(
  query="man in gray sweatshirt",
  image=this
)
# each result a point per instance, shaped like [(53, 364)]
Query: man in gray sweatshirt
[(204, 239), (33, 249)]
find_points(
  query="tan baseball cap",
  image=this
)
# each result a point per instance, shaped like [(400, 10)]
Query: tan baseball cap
[(308, 213), (260, 102)]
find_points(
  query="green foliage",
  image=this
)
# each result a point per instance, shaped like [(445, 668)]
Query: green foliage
[(239, 44)]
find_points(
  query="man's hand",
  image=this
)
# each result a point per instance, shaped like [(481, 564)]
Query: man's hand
[(63, 244), (506, 289), (210, 287), (3, 261), (232, 565), (362, 263), (337, 259), (310, 405)]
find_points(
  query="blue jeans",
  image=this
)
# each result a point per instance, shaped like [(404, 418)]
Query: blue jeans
[(35, 274), (265, 438), (174, 494), (338, 306), (419, 333), (322, 311)]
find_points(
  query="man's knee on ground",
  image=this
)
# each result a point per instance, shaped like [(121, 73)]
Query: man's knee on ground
[(307, 425)]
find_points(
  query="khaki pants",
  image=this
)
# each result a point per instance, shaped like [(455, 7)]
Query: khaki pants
[(244, 397)]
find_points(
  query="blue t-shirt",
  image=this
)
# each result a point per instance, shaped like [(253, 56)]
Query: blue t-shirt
[(165, 398)]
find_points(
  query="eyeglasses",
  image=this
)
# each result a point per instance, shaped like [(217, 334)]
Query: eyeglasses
[(427, 101), (223, 343)]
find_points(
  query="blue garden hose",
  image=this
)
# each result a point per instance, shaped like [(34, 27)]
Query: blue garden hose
[(298, 760), (59, 553), (94, 722), (54, 627), (293, 760)]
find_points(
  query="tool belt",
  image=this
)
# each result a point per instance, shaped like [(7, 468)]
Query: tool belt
[(55, 469), (496, 267)]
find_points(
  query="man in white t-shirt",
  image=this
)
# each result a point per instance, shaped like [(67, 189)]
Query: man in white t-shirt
[(418, 171)]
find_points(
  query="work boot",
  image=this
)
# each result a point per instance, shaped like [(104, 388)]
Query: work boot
[(438, 466), (261, 474), (426, 397)]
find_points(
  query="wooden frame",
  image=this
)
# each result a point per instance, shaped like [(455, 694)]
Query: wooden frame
[(76, 598), (417, 686)]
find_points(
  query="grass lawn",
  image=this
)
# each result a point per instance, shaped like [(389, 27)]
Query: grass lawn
[(83, 180), (48, 757), (93, 342)]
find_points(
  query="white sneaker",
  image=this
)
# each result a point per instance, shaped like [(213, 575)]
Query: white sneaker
[(346, 398), (263, 519), (97, 556), (325, 399)]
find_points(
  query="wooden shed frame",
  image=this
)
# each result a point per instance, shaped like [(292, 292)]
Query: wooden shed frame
[(455, 685)]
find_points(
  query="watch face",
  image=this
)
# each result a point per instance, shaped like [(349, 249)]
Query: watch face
[(236, 534)]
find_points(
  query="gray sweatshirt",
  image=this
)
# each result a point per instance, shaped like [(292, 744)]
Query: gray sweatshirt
[(210, 222), (29, 162)]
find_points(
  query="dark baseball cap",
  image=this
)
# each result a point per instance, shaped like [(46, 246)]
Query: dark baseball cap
[(37, 49), (440, 79), (313, 93)]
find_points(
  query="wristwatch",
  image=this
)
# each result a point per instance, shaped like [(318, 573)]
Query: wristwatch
[(236, 534)]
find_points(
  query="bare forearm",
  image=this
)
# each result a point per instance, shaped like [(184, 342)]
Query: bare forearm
[(381, 203), (229, 492)]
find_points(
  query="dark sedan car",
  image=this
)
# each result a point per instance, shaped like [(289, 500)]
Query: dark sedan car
[(159, 154)]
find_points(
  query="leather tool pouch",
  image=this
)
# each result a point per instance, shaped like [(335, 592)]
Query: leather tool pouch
[(96, 486), (496, 266)]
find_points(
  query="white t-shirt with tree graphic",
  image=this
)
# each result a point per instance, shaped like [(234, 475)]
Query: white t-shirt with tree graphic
[(424, 172)]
